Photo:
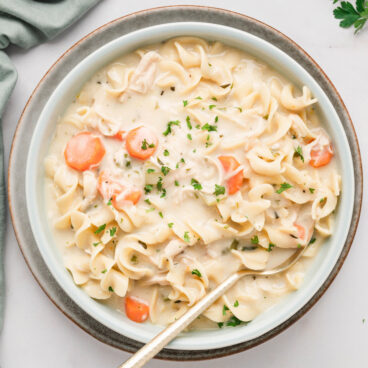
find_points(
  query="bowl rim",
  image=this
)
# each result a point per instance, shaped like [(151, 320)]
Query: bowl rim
[(339, 260)]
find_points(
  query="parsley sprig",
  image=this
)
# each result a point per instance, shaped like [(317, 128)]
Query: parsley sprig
[(352, 16)]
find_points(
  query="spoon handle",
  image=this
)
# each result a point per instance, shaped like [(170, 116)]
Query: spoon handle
[(148, 351)]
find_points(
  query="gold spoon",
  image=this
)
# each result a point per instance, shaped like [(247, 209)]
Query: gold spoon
[(148, 351)]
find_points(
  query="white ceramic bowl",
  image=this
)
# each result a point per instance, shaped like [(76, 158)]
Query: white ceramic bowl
[(66, 91)]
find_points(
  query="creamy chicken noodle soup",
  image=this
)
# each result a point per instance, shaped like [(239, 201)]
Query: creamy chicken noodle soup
[(179, 164)]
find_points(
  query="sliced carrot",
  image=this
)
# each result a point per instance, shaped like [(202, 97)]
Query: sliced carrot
[(301, 231), (133, 196), (119, 135), (141, 143), (111, 189), (84, 151), (229, 163), (136, 310), (321, 156)]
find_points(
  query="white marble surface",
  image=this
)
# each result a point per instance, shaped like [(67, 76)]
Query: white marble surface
[(332, 334)]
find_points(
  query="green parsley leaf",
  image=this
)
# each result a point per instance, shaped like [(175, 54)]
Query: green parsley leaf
[(234, 321), (352, 16), (111, 289), (166, 152), (161, 215), (216, 119), (176, 183), (270, 247), (220, 324), (196, 272), (189, 136), (312, 240), (159, 184), (254, 240), (112, 231), (219, 189), (169, 125), (147, 201), (150, 171), (311, 190), (100, 228), (214, 98), (236, 304), (165, 170), (196, 184), (148, 188), (283, 187), (211, 107), (95, 244), (186, 237), (189, 123), (198, 98), (299, 152), (210, 128), (185, 103), (163, 194), (104, 271), (224, 309), (109, 202), (170, 224)]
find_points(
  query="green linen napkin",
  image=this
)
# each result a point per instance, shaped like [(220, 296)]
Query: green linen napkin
[(26, 23)]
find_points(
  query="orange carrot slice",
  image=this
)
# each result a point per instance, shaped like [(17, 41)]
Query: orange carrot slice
[(141, 143), (301, 231), (119, 135), (321, 156), (84, 151), (229, 163), (136, 310), (111, 189)]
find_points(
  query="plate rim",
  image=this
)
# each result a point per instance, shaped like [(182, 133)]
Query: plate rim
[(218, 352)]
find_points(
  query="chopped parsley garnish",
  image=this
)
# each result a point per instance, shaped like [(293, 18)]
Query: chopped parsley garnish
[(150, 171), (100, 228), (214, 98), (312, 240), (240, 109), (161, 215), (233, 321), (111, 289), (189, 136), (176, 183), (234, 244), (220, 324), (311, 190), (210, 128), (254, 240), (236, 304), (147, 201), (323, 200), (104, 271), (211, 107), (299, 152), (170, 224), (270, 247), (109, 202), (112, 231), (186, 237), (185, 103), (224, 309), (219, 189), (95, 244), (196, 272), (166, 152), (216, 119), (283, 187), (146, 145), (148, 188), (128, 163), (169, 125), (198, 98), (134, 259), (165, 170), (159, 184), (163, 194), (189, 124), (196, 184), (150, 210)]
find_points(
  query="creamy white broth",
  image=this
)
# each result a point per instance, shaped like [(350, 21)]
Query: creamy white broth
[(187, 232)]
